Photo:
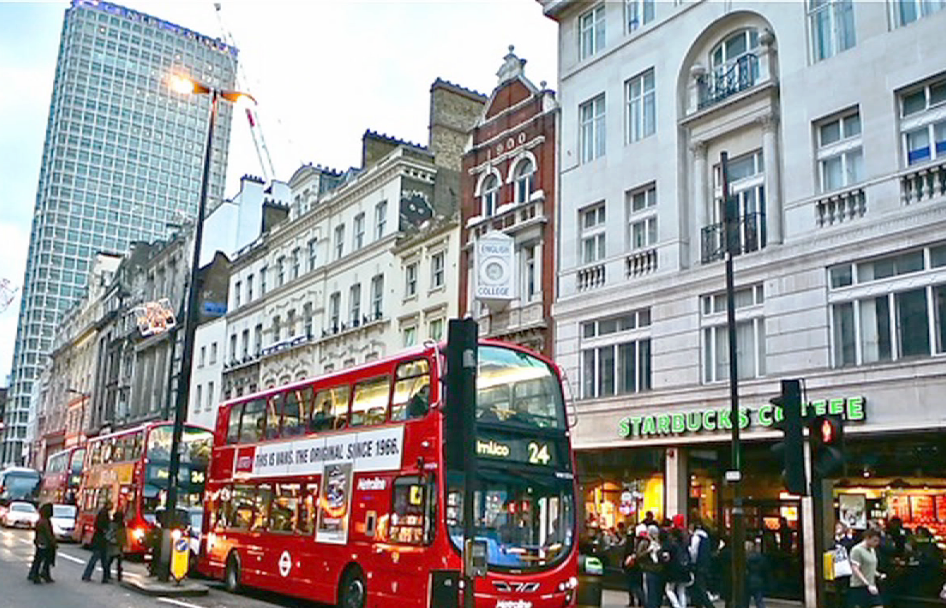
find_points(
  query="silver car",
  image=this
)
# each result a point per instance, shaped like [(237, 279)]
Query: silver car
[(19, 515), (64, 522)]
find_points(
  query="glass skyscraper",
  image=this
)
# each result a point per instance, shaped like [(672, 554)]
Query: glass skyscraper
[(122, 162)]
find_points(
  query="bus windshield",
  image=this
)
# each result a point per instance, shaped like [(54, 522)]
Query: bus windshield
[(518, 389), (196, 445), (17, 485), (527, 519)]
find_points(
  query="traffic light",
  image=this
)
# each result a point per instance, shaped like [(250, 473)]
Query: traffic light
[(460, 398), (826, 433), (792, 446)]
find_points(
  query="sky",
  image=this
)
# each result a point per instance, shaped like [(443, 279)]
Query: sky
[(322, 72)]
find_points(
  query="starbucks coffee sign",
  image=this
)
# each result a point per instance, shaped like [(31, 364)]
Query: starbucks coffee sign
[(720, 419)]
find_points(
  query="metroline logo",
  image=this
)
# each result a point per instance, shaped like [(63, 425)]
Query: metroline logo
[(513, 604)]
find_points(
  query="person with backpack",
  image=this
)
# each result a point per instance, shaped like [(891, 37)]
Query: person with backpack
[(700, 550), (647, 555), (632, 571), (678, 575)]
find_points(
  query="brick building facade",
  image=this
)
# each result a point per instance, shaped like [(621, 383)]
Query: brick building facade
[(507, 183)]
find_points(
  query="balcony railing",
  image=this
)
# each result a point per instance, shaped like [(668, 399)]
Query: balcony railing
[(748, 230), (923, 184), (841, 207), (741, 75), (640, 263), (591, 277)]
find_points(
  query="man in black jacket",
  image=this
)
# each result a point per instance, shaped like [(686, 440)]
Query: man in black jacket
[(99, 544), (45, 542)]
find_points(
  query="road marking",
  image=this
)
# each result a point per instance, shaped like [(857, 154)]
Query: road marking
[(75, 560), (168, 600)]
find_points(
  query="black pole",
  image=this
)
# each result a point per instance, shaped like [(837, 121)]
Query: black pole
[(190, 327), (733, 246)]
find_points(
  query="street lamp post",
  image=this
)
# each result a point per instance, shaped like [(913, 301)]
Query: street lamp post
[(184, 85)]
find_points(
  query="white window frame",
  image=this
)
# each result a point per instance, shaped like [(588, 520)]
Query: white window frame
[(277, 329), (359, 230), (921, 8), (931, 120), (249, 288), (237, 289), (313, 253), (489, 200), (335, 310), (847, 149), (643, 218), (296, 263), (262, 280), (592, 32), (410, 280), (437, 270), (435, 335), (409, 335), (593, 229), (210, 395), (637, 14), (377, 296), (198, 398), (592, 130), (281, 271), (380, 219), (594, 348), (531, 273), (833, 11), (354, 304), (714, 334), (524, 180), (640, 94), (339, 241)]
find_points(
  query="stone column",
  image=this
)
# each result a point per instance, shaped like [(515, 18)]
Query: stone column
[(773, 183), (676, 483), (698, 198)]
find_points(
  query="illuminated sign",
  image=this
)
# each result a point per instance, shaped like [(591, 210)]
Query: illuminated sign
[(539, 452), (720, 419)]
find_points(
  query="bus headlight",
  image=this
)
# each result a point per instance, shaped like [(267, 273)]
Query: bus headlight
[(176, 534)]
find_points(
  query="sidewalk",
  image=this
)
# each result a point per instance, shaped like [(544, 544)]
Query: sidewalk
[(617, 599)]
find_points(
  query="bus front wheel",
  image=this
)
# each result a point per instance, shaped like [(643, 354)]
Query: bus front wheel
[(231, 577), (353, 593)]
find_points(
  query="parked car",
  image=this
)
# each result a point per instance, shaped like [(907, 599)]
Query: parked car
[(64, 522), (20, 515)]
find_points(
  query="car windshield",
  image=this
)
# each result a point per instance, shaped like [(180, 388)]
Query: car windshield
[(64, 511), (526, 519), (23, 507), (516, 388)]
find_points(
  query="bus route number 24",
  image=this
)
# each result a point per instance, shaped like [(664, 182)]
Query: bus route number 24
[(539, 453)]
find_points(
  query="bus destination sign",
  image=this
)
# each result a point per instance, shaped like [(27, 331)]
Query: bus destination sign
[(529, 450)]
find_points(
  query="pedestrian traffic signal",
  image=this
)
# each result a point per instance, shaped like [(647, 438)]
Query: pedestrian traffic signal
[(827, 445), (792, 447)]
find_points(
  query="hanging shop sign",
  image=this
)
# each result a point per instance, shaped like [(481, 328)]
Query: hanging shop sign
[(720, 419)]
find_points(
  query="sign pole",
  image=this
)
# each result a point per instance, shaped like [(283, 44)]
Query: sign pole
[(734, 475)]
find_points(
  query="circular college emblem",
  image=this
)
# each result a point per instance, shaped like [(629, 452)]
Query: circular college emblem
[(285, 563)]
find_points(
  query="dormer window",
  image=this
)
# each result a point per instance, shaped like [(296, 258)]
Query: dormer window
[(490, 195), (524, 176)]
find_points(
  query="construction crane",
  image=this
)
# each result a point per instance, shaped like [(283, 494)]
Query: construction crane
[(243, 84)]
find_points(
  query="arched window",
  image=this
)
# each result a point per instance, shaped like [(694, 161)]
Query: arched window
[(490, 195), (525, 176), (735, 61)]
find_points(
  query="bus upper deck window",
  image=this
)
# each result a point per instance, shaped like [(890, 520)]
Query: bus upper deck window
[(411, 391)]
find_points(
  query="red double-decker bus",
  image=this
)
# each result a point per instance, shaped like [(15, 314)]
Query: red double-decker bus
[(337, 490), (129, 468), (63, 476)]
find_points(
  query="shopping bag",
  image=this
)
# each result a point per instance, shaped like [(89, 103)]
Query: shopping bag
[(842, 563)]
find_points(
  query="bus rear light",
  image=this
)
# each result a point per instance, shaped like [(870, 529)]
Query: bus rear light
[(138, 534)]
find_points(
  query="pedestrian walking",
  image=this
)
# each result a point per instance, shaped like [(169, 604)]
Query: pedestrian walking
[(864, 592), (648, 557), (632, 570), (45, 545), (677, 571), (757, 575), (701, 560), (99, 544), (117, 539)]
